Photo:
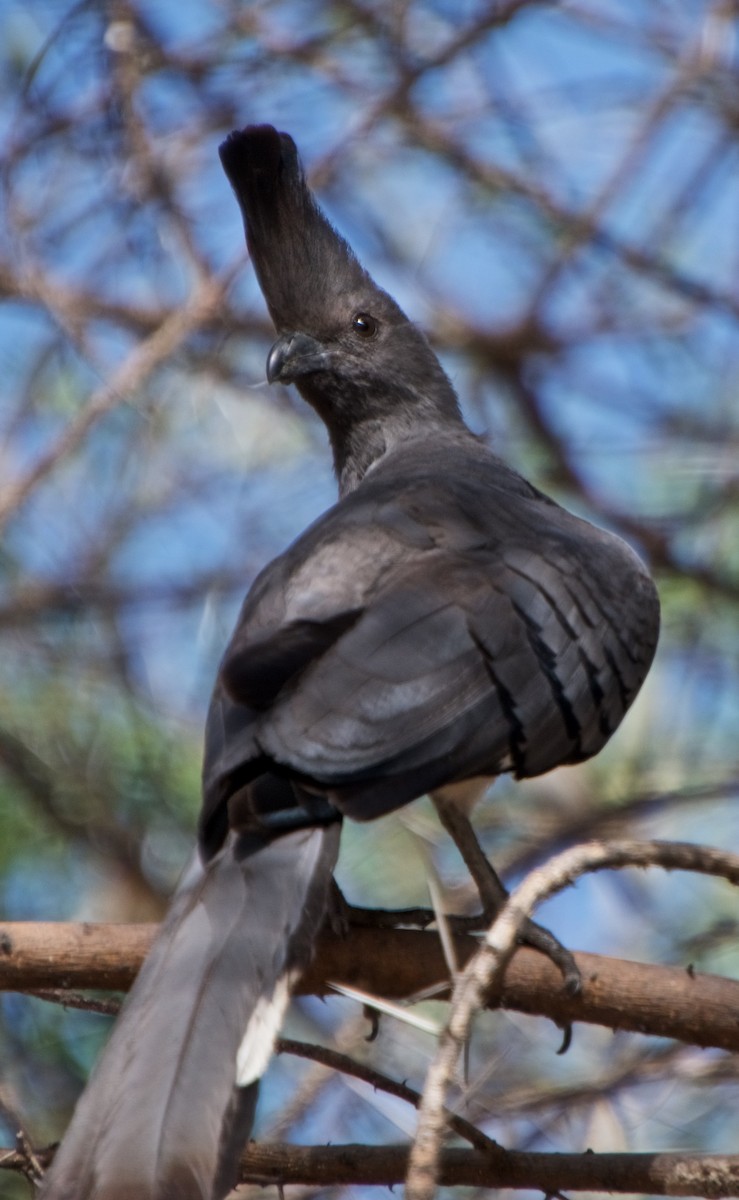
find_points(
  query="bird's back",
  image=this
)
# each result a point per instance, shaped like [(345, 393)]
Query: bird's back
[(474, 627)]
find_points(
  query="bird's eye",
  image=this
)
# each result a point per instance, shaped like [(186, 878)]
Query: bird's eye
[(364, 325)]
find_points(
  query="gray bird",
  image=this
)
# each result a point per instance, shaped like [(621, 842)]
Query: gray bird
[(442, 624)]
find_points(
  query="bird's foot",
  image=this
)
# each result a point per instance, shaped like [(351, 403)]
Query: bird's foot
[(539, 938), (341, 915)]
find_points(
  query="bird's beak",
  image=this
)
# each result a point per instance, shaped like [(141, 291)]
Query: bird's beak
[(293, 355)]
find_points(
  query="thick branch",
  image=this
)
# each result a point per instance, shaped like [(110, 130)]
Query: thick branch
[(710, 1175), (396, 963), (654, 1174)]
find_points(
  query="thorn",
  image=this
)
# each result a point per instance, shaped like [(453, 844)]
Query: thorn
[(566, 1037), (373, 1017)]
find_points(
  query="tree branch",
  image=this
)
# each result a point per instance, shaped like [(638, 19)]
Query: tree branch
[(674, 1002), (653, 1174), (710, 1175)]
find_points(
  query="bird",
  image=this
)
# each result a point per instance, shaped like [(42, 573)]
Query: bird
[(442, 624)]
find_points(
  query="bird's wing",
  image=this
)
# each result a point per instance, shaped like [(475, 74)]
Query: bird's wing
[(412, 637)]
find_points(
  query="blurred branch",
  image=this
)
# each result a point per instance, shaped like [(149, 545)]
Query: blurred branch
[(132, 373), (35, 603), (36, 779), (714, 1175), (578, 225), (603, 821)]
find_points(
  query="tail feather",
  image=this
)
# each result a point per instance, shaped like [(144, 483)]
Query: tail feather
[(199, 1022)]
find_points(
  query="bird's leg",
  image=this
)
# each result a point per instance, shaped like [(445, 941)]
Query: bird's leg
[(493, 893)]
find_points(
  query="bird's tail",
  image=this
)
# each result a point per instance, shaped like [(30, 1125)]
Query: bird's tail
[(171, 1102)]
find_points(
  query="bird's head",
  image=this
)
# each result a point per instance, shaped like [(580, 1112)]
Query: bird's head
[(345, 343)]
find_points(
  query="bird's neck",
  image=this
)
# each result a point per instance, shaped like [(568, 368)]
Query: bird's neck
[(364, 428)]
